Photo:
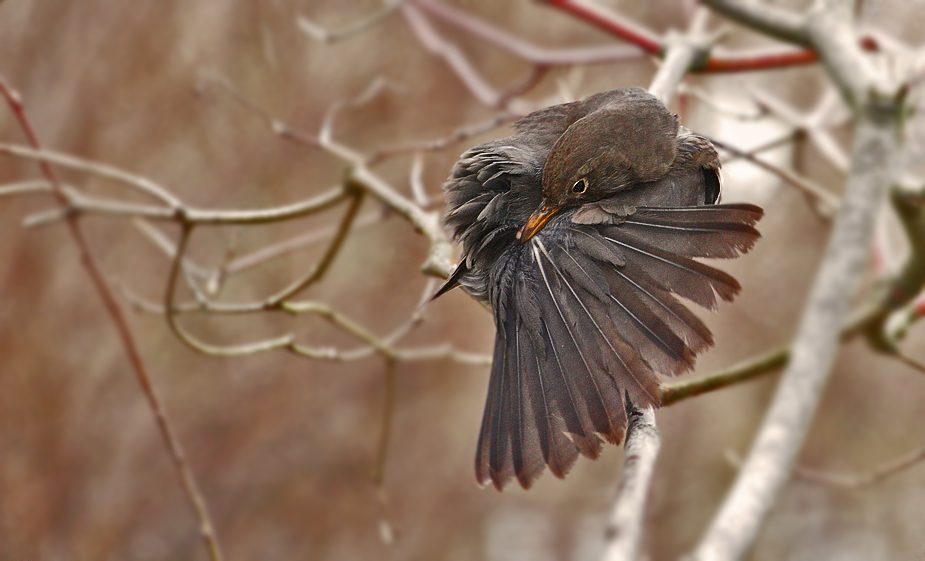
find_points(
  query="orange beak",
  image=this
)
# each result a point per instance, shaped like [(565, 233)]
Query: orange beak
[(536, 222)]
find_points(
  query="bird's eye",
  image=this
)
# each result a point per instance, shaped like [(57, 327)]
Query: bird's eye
[(580, 186)]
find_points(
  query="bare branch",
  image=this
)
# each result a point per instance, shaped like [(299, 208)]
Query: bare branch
[(861, 320), (387, 529), (624, 529), (911, 362), (428, 223), (213, 79), (681, 54), (759, 59), (417, 181), (333, 249), (881, 473), (788, 419), (101, 170), (323, 35), (612, 22), (537, 55), (167, 247), (283, 247), (171, 441), (177, 211), (769, 20), (433, 42), (826, 201), (438, 262), (835, 40), (458, 135), (651, 43), (810, 124), (326, 134), (26, 188), (385, 345)]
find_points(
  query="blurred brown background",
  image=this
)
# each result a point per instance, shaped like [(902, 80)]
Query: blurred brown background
[(284, 446)]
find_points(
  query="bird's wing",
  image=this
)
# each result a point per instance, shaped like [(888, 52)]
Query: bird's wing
[(487, 191), (587, 315)]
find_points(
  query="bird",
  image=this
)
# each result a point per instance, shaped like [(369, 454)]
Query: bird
[(580, 232)]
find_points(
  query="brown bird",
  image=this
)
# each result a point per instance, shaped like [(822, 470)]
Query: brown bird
[(579, 230)]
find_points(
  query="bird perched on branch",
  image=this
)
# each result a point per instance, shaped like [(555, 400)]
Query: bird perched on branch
[(579, 231)]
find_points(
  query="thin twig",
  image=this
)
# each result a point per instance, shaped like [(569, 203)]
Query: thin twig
[(503, 39), (454, 57), (101, 170), (428, 223), (323, 35), (438, 262), (333, 249), (879, 474), (911, 362), (213, 79), (277, 301), (458, 135), (167, 247), (283, 247), (417, 181), (26, 188), (286, 342), (326, 133), (828, 203), (810, 124), (613, 22), (176, 210), (388, 531)]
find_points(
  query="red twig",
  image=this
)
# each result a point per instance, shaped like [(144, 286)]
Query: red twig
[(758, 61), (652, 43), (177, 454), (613, 23), (918, 306)]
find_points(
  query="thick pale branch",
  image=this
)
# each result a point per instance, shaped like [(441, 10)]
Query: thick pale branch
[(788, 419), (624, 529), (835, 39)]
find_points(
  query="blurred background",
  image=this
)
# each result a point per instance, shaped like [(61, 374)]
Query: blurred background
[(284, 446)]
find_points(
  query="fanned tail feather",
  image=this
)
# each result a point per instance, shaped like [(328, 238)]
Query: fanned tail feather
[(587, 315)]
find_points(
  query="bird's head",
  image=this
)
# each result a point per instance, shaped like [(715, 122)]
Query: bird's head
[(630, 140)]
